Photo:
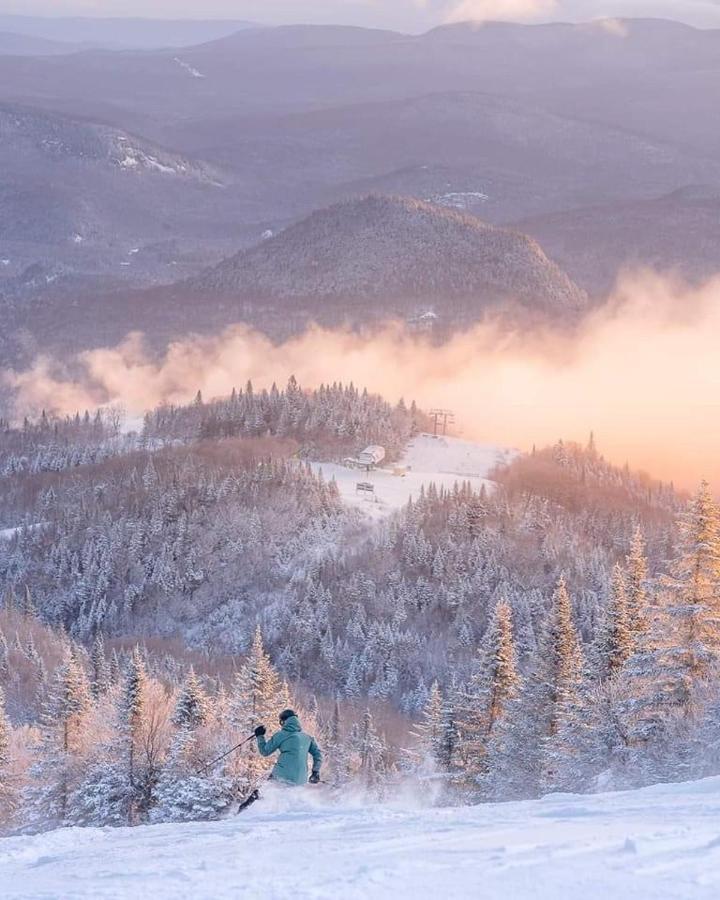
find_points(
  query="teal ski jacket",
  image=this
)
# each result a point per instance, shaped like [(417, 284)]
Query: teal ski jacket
[(294, 746)]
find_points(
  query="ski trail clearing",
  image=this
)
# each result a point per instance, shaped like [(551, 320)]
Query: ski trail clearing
[(443, 461)]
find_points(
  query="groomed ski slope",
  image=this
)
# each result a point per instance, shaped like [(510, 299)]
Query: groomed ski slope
[(443, 461), (656, 843)]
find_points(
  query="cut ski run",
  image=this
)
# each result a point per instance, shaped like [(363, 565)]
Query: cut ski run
[(650, 844)]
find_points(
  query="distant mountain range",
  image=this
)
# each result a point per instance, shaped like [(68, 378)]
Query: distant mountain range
[(114, 33), (678, 233), (144, 167), (27, 45)]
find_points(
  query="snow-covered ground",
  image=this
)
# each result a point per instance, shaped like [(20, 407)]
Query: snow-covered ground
[(460, 199), (442, 460), (7, 534), (659, 843), (188, 68)]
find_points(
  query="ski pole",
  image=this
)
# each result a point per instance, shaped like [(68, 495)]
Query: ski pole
[(231, 750)]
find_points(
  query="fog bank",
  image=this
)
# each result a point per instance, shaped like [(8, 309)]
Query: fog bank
[(643, 373)]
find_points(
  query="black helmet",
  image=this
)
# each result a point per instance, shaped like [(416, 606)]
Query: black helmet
[(286, 714)]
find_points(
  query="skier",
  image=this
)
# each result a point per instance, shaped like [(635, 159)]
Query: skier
[(294, 746)]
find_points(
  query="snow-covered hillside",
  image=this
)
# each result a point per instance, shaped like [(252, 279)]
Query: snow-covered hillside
[(428, 459), (659, 843)]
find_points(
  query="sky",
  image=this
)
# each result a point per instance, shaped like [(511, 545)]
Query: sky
[(405, 15)]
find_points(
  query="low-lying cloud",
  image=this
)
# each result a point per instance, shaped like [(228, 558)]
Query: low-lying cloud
[(499, 10), (643, 373)]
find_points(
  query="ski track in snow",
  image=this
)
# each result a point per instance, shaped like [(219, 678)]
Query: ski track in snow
[(443, 461), (658, 843)]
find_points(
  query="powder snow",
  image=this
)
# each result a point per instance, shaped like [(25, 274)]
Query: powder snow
[(658, 843)]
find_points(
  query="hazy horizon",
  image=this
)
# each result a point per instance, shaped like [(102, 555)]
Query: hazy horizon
[(404, 15)]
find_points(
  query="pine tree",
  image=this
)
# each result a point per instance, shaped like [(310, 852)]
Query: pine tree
[(64, 741), (337, 752), (450, 739), (495, 683), (429, 732), (4, 657), (7, 787), (259, 693), (258, 696), (372, 754), (514, 750), (4, 735), (617, 642), (114, 668), (100, 668), (27, 607), (680, 655), (119, 785), (562, 662), (193, 705), (636, 569), (9, 601), (70, 703), (693, 584), (561, 697), (502, 664), (183, 793), (133, 712)]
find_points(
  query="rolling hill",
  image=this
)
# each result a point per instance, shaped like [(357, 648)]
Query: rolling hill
[(392, 253)]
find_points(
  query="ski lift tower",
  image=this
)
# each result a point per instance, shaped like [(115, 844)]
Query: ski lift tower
[(441, 418)]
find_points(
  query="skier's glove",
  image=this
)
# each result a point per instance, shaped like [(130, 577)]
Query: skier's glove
[(315, 778), (260, 731)]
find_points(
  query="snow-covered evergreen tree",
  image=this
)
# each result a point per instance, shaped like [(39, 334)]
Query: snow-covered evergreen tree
[(187, 789), (258, 696), (636, 583), (193, 706), (693, 585), (668, 680), (617, 638), (100, 668), (492, 686), (525, 747), (259, 693), (64, 741), (372, 756), (134, 721), (429, 732), (336, 751), (8, 796), (4, 656)]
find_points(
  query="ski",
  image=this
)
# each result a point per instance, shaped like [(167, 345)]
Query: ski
[(248, 801)]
